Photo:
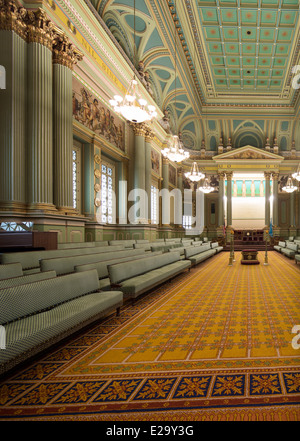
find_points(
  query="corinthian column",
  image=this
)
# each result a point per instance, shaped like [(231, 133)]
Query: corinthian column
[(221, 213), (40, 112), (65, 55), (229, 198), (148, 169), (13, 57), (275, 199), (139, 172), (267, 199)]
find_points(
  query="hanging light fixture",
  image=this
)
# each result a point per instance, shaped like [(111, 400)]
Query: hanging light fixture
[(206, 187), (194, 175), (175, 151), (289, 187), (297, 174), (133, 107)]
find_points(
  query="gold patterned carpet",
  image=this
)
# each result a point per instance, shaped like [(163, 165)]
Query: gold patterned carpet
[(214, 344)]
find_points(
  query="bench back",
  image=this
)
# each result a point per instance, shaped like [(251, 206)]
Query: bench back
[(127, 243), (31, 259), (63, 246), (23, 300), (125, 270), (102, 267), (10, 270), (281, 244), (66, 265), (191, 251), (214, 245), (21, 280), (292, 246)]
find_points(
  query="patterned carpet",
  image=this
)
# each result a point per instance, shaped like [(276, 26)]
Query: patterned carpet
[(214, 344)]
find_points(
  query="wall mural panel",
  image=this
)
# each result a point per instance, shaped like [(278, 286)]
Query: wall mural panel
[(155, 161), (92, 113)]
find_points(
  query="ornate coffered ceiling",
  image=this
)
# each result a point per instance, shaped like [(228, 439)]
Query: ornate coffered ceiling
[(235, 55)]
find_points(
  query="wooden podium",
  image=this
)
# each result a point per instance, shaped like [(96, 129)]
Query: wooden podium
[(249, 257), (28, 241)]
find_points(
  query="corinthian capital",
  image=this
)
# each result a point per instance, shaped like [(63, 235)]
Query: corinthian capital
[(12, 18), (40, 28), (64, 52)]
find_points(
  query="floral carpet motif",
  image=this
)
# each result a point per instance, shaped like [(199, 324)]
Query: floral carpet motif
[(215, 344)]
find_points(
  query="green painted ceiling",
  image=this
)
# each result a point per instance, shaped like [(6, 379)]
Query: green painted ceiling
[(248, 43), (229, 53)]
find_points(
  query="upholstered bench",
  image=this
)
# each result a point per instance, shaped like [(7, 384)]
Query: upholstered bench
[(11, 270), (217, 247), (102, 268), (37, 315), (146, 273), (28, 278), (200, 253), (290, 250), (280, 245), (66, 265), (297, 258), (127, 243), (30, 260)]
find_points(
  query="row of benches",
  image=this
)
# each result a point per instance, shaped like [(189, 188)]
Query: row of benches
[(69, 292), (289, 249)]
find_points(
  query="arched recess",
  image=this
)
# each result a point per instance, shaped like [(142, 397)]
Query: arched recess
[(248, 133)]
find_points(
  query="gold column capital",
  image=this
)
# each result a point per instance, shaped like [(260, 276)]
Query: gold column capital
[(13, 18), (229, 174), (267, 175), (40, 28), (64, 52), (221, 175), (140, 129)]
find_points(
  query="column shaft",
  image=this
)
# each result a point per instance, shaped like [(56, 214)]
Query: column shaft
[(63, 136), (40, 127), (148, 171), (275, 199), (221, 213), (229, 198), (13, 56), (267, 199)]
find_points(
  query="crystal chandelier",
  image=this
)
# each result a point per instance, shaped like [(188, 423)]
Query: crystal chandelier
[(175, 151), (297, 174), (289, 187), (206, 187), (133, 107), (194, 175)]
